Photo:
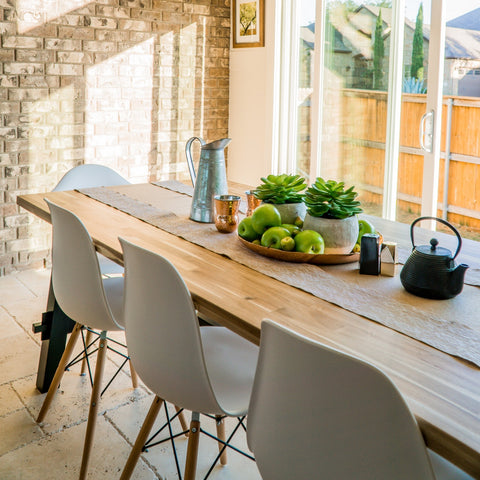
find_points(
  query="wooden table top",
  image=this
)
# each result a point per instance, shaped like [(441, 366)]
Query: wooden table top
[(442, 391)]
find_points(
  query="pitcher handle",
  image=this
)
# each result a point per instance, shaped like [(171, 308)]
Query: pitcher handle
[(188, 153), (455, 231)]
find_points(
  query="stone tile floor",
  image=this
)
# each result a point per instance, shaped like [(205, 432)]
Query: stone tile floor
[(53, 450)]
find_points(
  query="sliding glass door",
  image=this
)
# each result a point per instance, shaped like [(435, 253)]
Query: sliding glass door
[(363, 96)]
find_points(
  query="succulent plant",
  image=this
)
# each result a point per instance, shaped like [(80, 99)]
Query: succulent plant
[(281, 189), (329, 199)]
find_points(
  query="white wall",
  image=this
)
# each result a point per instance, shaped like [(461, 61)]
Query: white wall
[(252, 107)]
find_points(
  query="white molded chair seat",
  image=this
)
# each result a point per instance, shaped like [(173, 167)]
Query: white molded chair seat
[(316, 412), (93, 175), (203, 369)]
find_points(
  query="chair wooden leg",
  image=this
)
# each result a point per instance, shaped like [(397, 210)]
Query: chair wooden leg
[(192, 448), (94, 400), (183, 422), (134, 375), (221, 435), (59, 372), (142, 438), (88, 339)]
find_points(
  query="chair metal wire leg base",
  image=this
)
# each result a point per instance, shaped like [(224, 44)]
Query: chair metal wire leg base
[(143, 442), (88, 351), (86, 341), (226, 443)]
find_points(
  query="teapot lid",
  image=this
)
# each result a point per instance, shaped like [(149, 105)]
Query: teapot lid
[(434, 249)]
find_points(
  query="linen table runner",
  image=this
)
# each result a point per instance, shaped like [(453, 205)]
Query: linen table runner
[(381, 299)]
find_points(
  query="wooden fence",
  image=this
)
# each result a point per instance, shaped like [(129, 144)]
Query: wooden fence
[(362, 134)]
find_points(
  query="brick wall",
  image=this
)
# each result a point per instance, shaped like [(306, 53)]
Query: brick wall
[(123, 83)]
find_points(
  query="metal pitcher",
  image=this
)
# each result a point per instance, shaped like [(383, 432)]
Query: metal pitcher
[(211, 178)]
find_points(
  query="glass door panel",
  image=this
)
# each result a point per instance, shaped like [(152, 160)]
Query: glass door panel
[(355, 96), (459, 186), (415, 84)]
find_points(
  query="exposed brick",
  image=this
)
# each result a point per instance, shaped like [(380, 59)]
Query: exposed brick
[(23, 68), (39, 81), (63, 44), (8, 81), (22, 42), (64, 69), (76, 33), (41, 56), (21, 94), (112, 82)]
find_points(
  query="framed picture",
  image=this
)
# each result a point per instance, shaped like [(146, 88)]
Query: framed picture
[(248, 23)]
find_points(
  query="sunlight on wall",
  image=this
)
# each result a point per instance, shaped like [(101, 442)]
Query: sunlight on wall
[(118, 112), (54, 136), (34, 13), (178, 102)]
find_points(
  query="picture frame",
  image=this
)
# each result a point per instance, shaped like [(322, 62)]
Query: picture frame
[(248, 23)]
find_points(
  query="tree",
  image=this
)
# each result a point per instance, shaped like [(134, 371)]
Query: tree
[(248, 18), (378, 54), (416, 70)]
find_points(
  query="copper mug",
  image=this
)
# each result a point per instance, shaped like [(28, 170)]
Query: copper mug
[(252, 202), (226, 212)]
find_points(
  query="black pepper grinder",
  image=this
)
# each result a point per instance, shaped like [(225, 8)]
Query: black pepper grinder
[(370, 254)]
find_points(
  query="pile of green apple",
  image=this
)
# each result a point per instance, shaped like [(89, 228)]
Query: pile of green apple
[(265, 228)]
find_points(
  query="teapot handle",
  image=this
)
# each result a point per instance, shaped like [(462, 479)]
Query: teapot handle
[(188, 153), (455, 231)]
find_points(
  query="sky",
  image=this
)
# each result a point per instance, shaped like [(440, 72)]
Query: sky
[(454, 8)]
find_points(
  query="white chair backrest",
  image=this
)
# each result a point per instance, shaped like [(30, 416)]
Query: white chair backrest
[(162, 331), (318, 413), (89, 175), (76, 277)]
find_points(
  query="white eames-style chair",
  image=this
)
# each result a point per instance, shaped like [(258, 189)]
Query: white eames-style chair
[(316, 412), (206, 370), (92, 175), (89, 299)]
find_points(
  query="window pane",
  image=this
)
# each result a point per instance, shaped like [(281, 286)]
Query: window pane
[(355, 98), (305, 85)]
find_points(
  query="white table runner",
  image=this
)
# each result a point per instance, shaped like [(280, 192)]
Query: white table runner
[(452, 326)]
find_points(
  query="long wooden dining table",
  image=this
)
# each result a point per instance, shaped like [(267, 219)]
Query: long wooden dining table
[(442, 390)]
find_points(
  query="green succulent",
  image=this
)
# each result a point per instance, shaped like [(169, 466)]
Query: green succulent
[(329, 199), (281, 189)]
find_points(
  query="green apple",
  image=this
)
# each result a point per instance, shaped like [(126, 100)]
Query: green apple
[(256, 241), (287, 243), (364, 226), (264, 217), (246, 230), (293, 229), (273, 236), (309, 241)]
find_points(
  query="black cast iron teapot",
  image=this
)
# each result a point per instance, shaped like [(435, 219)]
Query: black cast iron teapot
[(430, 271)]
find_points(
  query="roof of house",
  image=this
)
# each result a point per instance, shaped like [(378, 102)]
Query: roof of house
[(459, 42), (307, 34), (468, 21), (462, 43)]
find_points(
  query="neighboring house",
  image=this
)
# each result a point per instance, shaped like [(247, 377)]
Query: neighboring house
[(352, 37), (462, 55)]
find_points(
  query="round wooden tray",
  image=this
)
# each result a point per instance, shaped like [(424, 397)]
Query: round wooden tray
[(299, 257)]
